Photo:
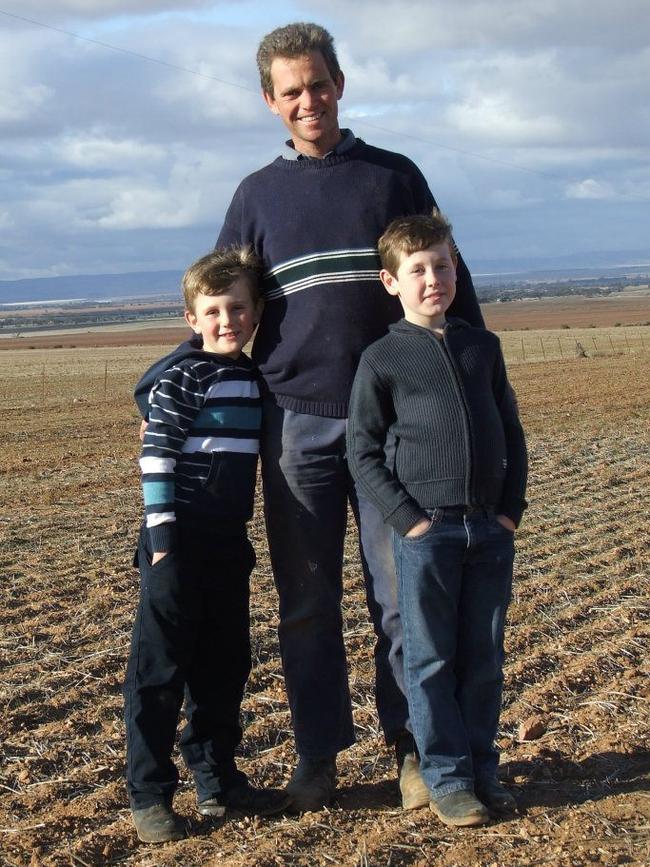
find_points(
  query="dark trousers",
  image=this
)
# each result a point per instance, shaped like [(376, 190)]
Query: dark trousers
[(190, 637), (307, 489), (454, 588)]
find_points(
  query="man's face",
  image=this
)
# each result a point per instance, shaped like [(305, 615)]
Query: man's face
[(306, 98)]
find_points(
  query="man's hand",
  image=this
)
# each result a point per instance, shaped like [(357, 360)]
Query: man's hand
[(506, 522), (143, 427), (157, 556), (418, 529)]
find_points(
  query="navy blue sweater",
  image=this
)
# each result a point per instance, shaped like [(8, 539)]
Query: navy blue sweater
[(316, 223), (452, 413)]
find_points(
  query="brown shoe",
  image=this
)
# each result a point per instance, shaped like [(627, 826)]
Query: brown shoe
[(413, 789), (460, 809)]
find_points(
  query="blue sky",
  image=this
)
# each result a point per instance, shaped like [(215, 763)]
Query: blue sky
[(530, 121)]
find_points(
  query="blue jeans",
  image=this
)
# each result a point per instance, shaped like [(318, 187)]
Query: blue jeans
[(454, 588), (307, 488)]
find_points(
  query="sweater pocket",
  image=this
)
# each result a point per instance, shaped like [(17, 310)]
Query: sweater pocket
[(229, 488)]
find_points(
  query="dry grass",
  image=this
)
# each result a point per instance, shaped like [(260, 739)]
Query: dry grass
[(577, 642)]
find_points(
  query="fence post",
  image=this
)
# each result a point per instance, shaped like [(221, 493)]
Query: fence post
[(523, 351), (541, 343), (105, 379), (43, 386), (559, 346)]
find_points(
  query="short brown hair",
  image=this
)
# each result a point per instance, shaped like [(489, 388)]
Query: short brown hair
[(295, 40), (215, 273), (407, 235)]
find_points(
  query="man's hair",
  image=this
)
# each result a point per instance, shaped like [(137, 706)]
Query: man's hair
[(295, 40), (407, 235), (215, 273)]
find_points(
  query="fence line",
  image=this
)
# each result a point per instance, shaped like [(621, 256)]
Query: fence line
[(77, 378)]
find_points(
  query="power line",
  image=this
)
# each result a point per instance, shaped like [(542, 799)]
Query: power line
[(127, 51), (456, 150), (139, 56)]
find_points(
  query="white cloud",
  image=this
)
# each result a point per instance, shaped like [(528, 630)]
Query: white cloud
[(95, 151), (590, 189)]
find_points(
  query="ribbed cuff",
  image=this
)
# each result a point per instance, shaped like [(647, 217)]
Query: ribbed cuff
[(405, 516), (163, 537)]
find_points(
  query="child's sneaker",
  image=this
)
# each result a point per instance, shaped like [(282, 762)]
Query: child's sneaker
[(158, 824), (247, 800), (460, 808)]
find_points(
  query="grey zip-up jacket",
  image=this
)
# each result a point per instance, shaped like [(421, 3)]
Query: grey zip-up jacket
[(451, 410)]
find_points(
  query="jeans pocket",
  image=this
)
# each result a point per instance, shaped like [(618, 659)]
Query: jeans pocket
[(499, 526), (435, 516)]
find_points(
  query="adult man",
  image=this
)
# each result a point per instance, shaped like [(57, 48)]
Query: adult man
[(314, 215)]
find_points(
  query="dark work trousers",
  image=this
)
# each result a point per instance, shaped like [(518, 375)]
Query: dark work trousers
[(191, 636), (307, 489)]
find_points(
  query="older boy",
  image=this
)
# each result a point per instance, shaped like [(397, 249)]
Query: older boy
[(191, 634), (453, 498)]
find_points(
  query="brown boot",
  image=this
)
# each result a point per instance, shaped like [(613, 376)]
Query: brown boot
[(413, 789)]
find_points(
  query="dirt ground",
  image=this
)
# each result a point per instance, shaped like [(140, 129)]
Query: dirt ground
[(576, 644)]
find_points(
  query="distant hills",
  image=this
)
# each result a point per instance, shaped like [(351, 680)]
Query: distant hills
[(150, 284), (93, 287)]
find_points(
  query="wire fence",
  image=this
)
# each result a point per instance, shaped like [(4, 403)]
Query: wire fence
[(522, 346), (37, 378)]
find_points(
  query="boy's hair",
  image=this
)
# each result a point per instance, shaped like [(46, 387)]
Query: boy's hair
[(407, 235), (215, 273), (295, 40)]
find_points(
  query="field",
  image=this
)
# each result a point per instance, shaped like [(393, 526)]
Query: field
[(576, 638)]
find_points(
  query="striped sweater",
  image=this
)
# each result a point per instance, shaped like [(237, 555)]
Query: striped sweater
[(315, 223), (199, 455)]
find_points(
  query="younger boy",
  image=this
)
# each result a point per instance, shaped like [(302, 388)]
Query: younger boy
[(453, 496), (191, 633)]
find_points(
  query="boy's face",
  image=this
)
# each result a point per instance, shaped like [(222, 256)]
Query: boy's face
[(306, 98), (425, 283), (227, 321)]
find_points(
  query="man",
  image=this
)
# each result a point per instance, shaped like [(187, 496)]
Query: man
[(314, 216)]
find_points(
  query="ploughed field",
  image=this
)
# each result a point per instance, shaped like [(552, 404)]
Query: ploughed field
[(576, 637)]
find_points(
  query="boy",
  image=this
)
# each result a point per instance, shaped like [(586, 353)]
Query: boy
[(453, 497), (191, 634)]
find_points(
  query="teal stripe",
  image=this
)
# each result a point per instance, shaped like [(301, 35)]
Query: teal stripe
[(243, 417), (158, 492)]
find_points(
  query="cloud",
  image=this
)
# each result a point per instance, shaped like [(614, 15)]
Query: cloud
[(590, 189)]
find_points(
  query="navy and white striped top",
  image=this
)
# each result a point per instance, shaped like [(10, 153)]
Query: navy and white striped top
[(199, 455)]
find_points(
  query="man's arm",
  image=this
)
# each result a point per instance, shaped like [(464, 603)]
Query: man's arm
[(232, 233), (149, 377), (513, 502)]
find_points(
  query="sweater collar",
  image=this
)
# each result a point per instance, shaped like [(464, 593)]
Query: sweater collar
[(403, 326), (348, 140)]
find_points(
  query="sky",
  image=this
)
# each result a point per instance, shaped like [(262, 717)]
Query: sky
[(126, 125)]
